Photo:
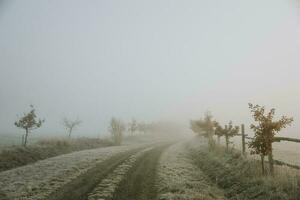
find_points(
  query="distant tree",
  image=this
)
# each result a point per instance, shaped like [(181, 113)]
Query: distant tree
[(70, 125), (132, 126), (228, 132), (142, 127), (205, 127), (194, 125), (29, 122), (264, 133), (219, 131), (116, 128)]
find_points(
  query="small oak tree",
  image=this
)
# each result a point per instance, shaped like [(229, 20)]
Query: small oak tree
[(29, 122), (70, 125), (264, 133), (116, 129), (205, 127)]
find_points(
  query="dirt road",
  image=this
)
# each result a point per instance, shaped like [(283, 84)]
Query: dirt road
[(137, 183), (79, 188), (143, 172)]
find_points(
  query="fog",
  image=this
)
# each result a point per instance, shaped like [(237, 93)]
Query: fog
[(148, 60)]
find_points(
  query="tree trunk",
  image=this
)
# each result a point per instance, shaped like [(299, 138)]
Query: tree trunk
[(227, 142), (26, 136), (119, 138), (243, 139), (23, 138), (271, 162), (262, 157), (70, 131), (211, 142)]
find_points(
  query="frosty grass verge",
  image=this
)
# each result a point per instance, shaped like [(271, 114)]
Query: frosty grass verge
[(179, 178)]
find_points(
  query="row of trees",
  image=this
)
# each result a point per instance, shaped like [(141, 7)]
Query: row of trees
[(135, 127), (29, 121), (117, 129), (209, 128), (264, 128)]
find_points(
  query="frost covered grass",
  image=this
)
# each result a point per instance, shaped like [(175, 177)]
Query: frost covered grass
[(16, 156), (180, 179), (241, 177), (283, 151), (38, 180), (108, 186)]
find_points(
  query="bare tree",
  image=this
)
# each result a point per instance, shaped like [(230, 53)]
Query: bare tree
[(205, 127), (116, 128), (142, 127), (70, 125), (29, 122), (133, 126)]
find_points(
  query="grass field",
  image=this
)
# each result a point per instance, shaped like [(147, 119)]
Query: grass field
[(15, 156), (7, 140), (288, 152), (16, 139)]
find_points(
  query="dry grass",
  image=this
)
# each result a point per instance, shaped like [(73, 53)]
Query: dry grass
[(288, 152), (180, 179), (242, 178), (16, 156), (54, 142)]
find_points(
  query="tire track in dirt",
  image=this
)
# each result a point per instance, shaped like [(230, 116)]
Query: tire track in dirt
[(106, 188), (3, 196), (85, 183), (139, 183)]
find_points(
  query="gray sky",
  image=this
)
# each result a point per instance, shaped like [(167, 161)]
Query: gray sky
[(147, 59)]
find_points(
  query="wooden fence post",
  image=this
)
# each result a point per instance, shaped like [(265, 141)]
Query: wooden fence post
[(243, 139)]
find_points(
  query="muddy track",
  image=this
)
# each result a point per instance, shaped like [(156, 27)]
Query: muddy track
[(139, 183), (85, 183), (3, 196)]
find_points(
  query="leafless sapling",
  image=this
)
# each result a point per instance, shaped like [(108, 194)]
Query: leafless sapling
[(205, 127), (116, 128), (70, 125)]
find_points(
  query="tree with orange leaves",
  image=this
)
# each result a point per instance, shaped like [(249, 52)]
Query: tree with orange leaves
[(264, 133)]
